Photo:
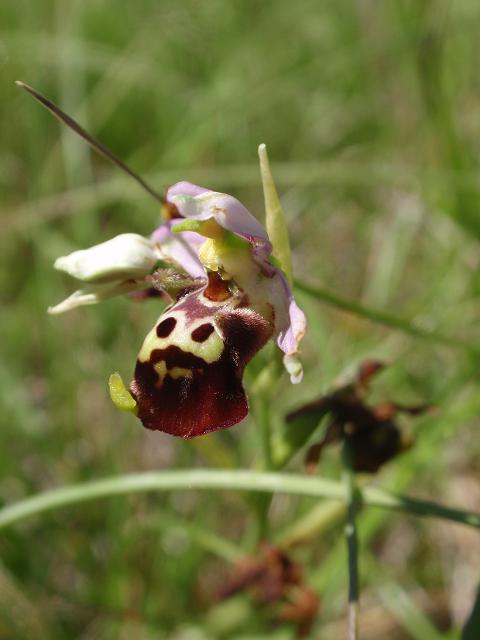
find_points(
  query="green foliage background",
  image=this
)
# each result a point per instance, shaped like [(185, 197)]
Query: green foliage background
[(370, 113)]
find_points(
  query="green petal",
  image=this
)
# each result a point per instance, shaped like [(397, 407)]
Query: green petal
[(186, 225), (120, 395)]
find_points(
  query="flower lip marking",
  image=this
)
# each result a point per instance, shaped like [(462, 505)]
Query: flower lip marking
[(165, 328), (187, 388), (203, 332)]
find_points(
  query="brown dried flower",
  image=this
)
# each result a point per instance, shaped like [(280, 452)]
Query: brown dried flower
[(275, 582), (372, 431)]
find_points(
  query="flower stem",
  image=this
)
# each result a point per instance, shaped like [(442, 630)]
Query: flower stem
[(261, 393), (351, 499), (261, 503), (324, 516), (263, 420)]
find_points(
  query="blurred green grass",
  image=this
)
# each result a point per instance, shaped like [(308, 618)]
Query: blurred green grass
[(369, 111)]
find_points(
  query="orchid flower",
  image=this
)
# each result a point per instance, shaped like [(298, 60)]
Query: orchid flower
[(231, 301), (213, 260)]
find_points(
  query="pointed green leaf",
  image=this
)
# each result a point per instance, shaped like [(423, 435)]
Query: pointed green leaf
[(275, 217)]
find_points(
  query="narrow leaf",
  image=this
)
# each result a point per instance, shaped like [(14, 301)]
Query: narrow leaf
[(275, 217)]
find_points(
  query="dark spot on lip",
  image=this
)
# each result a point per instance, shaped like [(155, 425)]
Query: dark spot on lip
[(202, 333), (165, 328)]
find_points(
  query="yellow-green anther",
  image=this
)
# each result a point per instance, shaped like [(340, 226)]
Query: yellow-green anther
[(120, 395), (275, 217)]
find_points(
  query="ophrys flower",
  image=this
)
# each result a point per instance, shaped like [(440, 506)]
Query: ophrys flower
[(213, 260)]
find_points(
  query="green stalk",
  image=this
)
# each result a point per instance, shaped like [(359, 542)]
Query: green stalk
[(225, 480), (324, 516), (261, 394), (352, 542), (410, 616), (261, 502), (382, 317)]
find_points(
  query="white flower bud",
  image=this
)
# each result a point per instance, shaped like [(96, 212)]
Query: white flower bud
[(126, 256), (95, 293)]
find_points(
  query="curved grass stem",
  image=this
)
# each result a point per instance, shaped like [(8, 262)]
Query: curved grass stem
[(242, 480)]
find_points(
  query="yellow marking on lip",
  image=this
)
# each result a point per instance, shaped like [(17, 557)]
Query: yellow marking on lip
[(175, 372), (180, 372), (161, 370), (210, 350)]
